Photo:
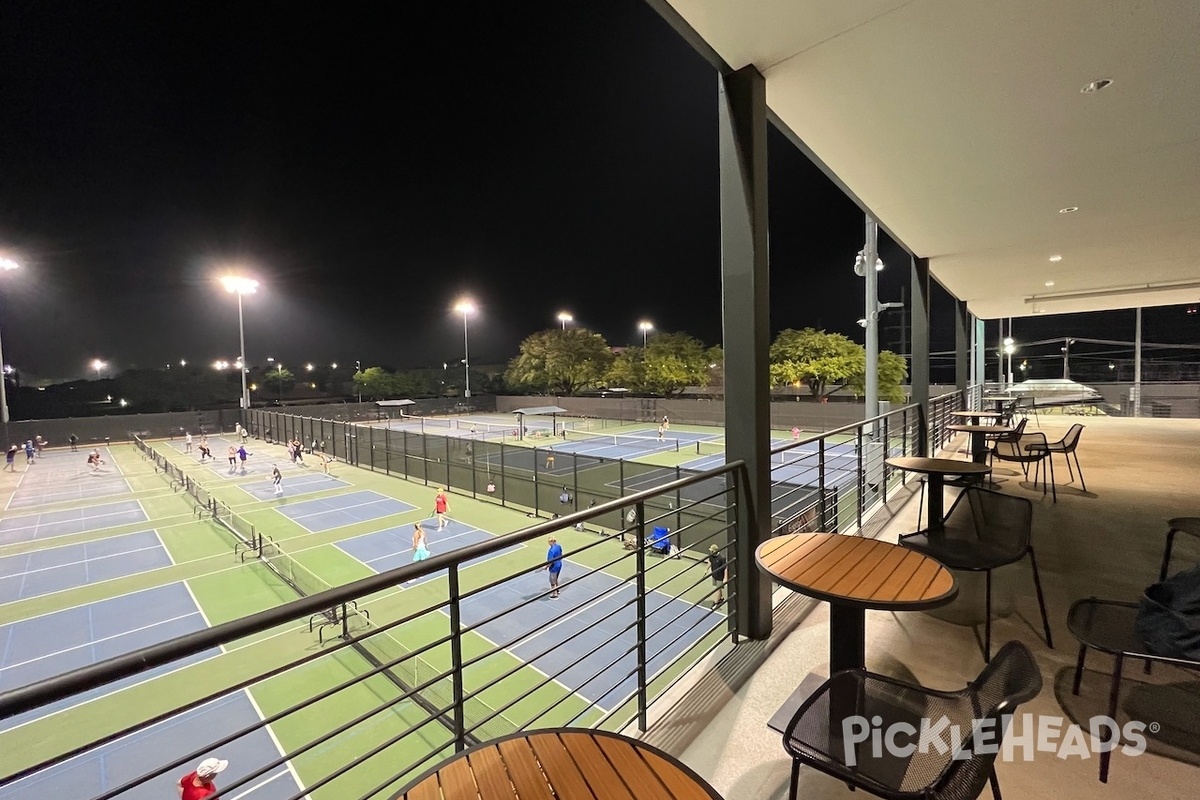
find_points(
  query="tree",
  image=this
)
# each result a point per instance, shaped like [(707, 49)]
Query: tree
[(277, 381), (892, 372), (715, 357), (560, 361), (375, 382), (674, 361), (814, 358)]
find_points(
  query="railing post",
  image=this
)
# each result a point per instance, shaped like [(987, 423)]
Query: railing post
[(887, 442), (922, 432), (821, 483), (862, 482), (642, 690), (456, 663)]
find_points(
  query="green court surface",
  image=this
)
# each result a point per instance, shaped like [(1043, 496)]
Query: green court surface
[(224, 587)]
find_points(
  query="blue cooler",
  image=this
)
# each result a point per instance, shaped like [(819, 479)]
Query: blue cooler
[(660, 542)]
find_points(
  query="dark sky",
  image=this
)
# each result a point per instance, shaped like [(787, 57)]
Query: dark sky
[(369, 163)]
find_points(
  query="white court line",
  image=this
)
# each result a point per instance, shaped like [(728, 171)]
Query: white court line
[(199, 608), (37, 525), (98, 641), (369, 561), (73, 563), (278, 746), (163, 545)]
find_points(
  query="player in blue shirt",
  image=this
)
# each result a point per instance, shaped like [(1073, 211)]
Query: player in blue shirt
[(554, 561)]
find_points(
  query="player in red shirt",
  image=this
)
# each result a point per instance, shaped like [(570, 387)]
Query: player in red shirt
[(441, 506), (199, 784)]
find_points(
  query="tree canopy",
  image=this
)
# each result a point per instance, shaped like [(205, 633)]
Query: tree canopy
[(818, 359), (560, 361)]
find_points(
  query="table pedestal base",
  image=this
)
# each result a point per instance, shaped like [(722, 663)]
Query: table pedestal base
[(969, 608)]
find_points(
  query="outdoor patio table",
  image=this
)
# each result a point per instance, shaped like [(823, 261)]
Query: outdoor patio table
[(975, 416), (854, 574), (564, 762), (1001, 401), (979, 434), (937, 469)]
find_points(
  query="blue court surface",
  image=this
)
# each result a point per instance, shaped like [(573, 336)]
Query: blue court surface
[(40, 647), (307, 483), (74, 520), (257, 463), (67, 477), (58, 568), (592, 620), (384, 550), (327, 513), (799, 466), (117, 762)]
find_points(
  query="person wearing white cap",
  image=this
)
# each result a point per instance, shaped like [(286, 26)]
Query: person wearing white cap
[(199, 784)]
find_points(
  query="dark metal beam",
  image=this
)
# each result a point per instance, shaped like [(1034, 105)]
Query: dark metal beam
[(920, 344), (962, 345), (742, 136)]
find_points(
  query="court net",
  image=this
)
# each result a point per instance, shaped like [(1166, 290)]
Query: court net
[(602, 440)]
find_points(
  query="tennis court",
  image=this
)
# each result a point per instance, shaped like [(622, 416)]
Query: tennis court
[(297, 485), (327, 513), (799, 466), (70, 521), (40, 647), (65, 477), (106, 767), (55, 569), (545, 633)]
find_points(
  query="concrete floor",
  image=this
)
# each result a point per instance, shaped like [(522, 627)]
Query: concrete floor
[(1107, 542)]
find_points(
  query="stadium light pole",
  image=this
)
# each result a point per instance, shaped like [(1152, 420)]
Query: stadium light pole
[(241, 286), (1010, 347), (7, 265), (868, 264), (564, 318), (645, 326), (466, 308)]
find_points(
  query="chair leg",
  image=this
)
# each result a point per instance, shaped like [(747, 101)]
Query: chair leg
[(795, 788), (1079, 669), (921, 504), (987, 623), (1037, 584), (1053, 482), (995, 783), (1078, 471), (1070, 471), (1162, 573), (1113, 693)]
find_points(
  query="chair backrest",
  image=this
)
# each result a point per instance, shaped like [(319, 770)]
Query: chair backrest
[(1002, 519), (1014, 449), (1011, 678), (1016, 432), (1071, 440)]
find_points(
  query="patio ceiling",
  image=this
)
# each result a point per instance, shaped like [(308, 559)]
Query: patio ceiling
[(962, 127)]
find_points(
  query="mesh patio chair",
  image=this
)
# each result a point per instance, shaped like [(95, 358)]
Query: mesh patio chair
[(1108, 626), (1188, 525), (1028, 449), (956, 771), (985, 530), (1066, 446)]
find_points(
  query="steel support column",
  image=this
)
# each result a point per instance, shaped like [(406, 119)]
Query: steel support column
[(742, 137), (919, 320), (980, 352), (962, 347)]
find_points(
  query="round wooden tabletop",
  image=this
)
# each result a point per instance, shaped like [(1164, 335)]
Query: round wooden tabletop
[(979, 414), (979, 429), (567, 763), (939, 466), (865, 573)]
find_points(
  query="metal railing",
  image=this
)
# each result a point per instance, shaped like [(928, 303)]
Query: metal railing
[(395, 680)]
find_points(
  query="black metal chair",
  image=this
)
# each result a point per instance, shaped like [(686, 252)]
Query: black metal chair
[(985, 530), (1188, 525), (816, 737), (1067, 446), (1108, 626), (1028, 449)]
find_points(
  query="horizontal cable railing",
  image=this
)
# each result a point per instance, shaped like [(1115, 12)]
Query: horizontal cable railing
[(366, 684)]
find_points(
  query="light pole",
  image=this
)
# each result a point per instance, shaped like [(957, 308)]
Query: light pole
[(240, 286), (99, 366), (7, 265), (358, 383), (645, 326), (278, 376), (466, 308), (867, 265), (1010, 347), (564, 318)]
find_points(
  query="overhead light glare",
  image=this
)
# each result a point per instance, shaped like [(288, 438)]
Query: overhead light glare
[(1068, 210), (1096, 85), (1049, 283), (1055, 259)]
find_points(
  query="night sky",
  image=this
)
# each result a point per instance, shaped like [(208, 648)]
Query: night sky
[(368, 164)]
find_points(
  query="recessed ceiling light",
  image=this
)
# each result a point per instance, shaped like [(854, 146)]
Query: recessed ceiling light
[(1068, 210), (1097, 85), (1049, 283), (1055, 259)]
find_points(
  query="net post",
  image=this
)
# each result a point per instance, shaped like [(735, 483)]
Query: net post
[(456, 660)]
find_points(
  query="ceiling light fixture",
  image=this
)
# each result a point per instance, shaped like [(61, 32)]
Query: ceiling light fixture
[(1055, 259), (1116, 291), (1049, 283), (1068, 210), (1096, 85)]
